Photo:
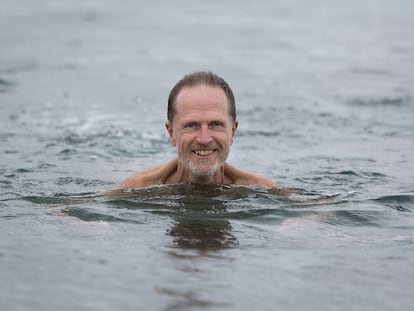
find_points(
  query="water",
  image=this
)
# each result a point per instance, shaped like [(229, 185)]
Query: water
[(325, 104)]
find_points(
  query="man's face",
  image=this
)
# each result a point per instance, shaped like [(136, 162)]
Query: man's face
[(202, 129)]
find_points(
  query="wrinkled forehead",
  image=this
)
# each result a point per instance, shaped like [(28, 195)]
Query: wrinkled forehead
[(202, 96)]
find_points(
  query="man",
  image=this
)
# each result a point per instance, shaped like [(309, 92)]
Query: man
[(201, 125)]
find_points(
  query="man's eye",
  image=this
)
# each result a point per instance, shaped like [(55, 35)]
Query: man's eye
[(216, 124), (190, 126)]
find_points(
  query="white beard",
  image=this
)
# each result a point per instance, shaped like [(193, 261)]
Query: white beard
[(204, 170)]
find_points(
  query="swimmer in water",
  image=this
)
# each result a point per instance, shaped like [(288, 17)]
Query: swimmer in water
[(201, 125)]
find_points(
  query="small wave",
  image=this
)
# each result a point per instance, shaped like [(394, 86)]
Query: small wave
[(386, 101), (6, 85), (64, 198), (187, 205), (67, 152), (80, 181), (19, 67), (356, 173), (108, 143), (75, 139), (94, 216), (348, 173), (351, 218), (342, 177), (252, 133), (188, 200), (400, 202), (24, 170)]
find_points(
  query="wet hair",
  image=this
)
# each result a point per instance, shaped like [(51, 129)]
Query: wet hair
[(197, 78)]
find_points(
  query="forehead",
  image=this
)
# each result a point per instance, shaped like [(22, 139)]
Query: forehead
[(201, 98)]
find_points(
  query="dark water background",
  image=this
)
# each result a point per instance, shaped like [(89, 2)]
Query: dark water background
[(325, 103)]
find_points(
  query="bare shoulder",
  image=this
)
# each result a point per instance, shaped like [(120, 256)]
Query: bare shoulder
[(156, 175), (241, 177), (138, 180)]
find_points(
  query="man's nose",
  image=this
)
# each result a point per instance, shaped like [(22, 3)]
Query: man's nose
[(204, 136)]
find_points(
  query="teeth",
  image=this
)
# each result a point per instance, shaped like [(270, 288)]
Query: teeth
[(204, 152)]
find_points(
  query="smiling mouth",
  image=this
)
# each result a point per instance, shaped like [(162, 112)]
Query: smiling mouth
[(204, 153)]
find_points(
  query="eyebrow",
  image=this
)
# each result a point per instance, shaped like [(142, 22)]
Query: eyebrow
[(213, 122)]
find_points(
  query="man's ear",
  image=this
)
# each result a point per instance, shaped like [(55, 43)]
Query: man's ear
[(170, 131), (234, 129)]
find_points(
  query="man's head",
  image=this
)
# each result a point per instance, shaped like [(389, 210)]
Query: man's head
[(196, 78), (202, 124)]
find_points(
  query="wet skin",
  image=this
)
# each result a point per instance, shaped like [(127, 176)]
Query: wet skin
[(202, 132)]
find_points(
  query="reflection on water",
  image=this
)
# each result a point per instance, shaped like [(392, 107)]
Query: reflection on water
[(188, 300), (202, 234), (200, 241), (187, 202), (201, 217)]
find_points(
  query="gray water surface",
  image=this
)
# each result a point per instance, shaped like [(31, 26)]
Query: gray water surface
[(326, 107)]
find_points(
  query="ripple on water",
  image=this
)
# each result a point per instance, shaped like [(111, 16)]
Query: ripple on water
[(351, 178), (385, 101), (191, 201), (205, 217), (80, 181), (6, 85), (400, 202)]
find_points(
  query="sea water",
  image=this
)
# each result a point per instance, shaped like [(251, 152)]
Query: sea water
[(325, 102)]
